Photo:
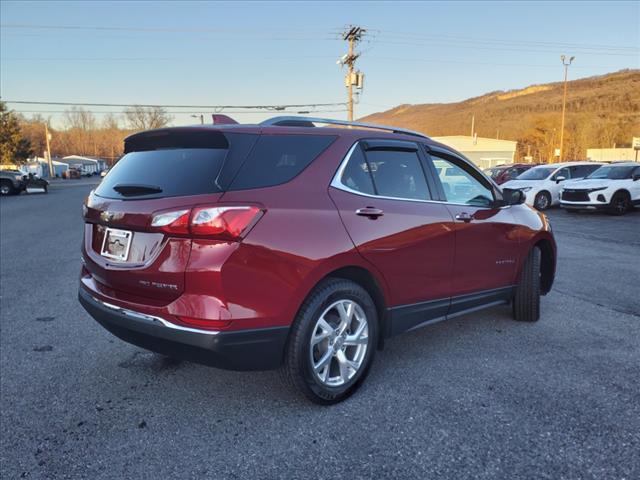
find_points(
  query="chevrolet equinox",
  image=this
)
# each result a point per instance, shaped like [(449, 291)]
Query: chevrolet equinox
[(294, 246)]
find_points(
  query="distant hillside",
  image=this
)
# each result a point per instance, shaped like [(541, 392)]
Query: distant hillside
[(601, 111)]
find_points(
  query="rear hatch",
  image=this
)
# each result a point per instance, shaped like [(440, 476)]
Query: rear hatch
[(162, 171)]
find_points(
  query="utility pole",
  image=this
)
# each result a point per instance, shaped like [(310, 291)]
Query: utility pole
[(473, 125), (564, 103), (47, 137), (353, 35)]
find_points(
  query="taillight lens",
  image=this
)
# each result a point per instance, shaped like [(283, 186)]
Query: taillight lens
[(228, 222), (172, 222)]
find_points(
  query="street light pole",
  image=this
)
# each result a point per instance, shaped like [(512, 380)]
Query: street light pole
[(564, 103)]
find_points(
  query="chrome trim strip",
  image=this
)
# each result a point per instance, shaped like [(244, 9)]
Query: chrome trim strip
[(336, 183), (275, 120), (153, 319)]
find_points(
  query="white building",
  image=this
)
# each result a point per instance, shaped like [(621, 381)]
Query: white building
[(484, 152), (611, 154), (40, 166), (89, 166)]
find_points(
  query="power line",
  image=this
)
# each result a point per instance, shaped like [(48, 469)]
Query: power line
[(119, 112), (275, 107), (330, 33)]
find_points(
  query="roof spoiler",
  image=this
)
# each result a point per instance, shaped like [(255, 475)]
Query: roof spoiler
[(219, 119)]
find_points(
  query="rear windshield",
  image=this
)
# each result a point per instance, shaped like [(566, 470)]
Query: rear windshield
[(164, 173)]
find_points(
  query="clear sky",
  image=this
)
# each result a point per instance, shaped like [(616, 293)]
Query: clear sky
[(212, 53)]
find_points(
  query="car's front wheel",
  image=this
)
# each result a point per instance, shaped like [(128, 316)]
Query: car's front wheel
[(542, 201), (332, 342), (619, 204), (526, 301)]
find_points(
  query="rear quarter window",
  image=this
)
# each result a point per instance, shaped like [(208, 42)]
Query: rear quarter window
[(277, 159)]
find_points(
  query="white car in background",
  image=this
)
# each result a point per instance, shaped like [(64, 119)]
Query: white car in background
[(614, 187), (542, 184)]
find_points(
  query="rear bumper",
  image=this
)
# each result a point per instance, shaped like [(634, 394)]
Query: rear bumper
[(256, 349)]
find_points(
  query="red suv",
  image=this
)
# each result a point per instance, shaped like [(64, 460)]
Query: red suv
[(287, 245)]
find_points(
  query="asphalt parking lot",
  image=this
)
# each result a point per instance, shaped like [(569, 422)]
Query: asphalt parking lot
[(480, 396)]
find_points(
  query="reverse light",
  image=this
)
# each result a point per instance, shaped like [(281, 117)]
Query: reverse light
[(228, 222), (225, 221), (172, 222)]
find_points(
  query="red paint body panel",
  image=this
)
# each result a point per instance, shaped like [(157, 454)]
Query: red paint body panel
[(415, 252), (487, 249), (412, 244)]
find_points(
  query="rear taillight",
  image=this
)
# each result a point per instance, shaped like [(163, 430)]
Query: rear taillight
[(228, 222), (172, 222)]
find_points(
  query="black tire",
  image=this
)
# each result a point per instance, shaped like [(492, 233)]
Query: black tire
[(526, 301), (6, 188), (620, 203), (542, 200), (297, 370)]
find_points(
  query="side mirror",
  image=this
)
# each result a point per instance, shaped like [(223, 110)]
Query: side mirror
[(513, 197), (636, 177), (560, 179)]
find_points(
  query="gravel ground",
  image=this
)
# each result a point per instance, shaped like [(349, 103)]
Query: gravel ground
[(480, 396)]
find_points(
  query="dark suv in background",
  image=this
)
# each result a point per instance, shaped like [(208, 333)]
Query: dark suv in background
[(287, 245), (503, 173)]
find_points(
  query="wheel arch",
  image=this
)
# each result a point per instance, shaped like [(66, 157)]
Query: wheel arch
[(547, 264), (623, 191), (367, 280)]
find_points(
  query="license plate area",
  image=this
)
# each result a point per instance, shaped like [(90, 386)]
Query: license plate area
[(116, 244)]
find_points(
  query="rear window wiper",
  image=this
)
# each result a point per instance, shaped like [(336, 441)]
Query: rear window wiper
[(133, 189)]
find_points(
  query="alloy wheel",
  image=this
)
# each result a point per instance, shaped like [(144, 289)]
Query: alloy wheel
[(339, 343), (542, 202), (620, 205)]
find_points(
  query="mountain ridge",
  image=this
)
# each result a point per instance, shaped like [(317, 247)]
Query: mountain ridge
[(602, 110)]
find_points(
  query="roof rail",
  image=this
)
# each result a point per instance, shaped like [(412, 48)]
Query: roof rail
[(292, 121)]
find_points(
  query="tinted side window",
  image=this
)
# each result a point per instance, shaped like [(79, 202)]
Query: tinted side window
[(460, 186), (511, 174), (356, 174), (563, 172), (584, 170), (277, 159), (398, 174)]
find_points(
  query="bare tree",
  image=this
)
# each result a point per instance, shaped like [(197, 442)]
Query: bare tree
[(79, 118), (111, 122), (147, 118)]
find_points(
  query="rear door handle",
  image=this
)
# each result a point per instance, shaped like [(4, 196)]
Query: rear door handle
[(370, 212), (464, 217)]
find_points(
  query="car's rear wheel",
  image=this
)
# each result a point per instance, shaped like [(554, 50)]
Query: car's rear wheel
[(332, 342), (526, 301), (542, 201), (6, 188), (619, 204)]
